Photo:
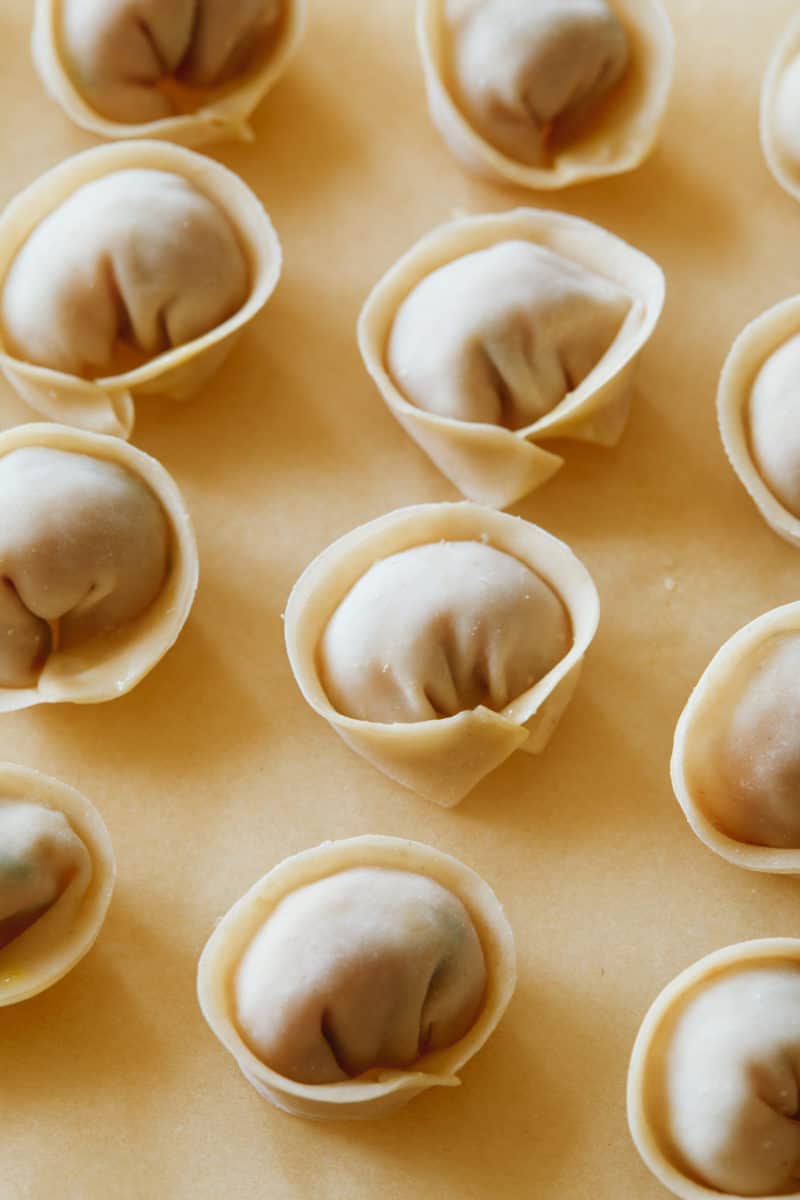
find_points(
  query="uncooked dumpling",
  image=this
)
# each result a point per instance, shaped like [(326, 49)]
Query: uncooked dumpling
[(714, 1079), (496, 334), (758, 404), (775, 423), (439, 639), (84, 549), (356, 975), (120, 53), (128, 267), (56, 878), (546, 93), (39, 855), (736, 755), (438, 629), (731, 1073), (528, 73), (371, 967), (502, 335)]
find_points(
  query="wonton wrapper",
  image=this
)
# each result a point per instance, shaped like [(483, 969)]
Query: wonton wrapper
[(108, 665), (379, 1091), (107, 405), (443, 759), (616, 138), (751, 350), (647, 1106), (222, 112), (707, 715), (59, 938), (490, 463), (780, 110)]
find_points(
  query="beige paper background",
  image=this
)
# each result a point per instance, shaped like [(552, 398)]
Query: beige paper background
[(213, 769)]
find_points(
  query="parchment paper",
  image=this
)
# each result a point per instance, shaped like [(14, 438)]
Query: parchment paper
[(213, 769)]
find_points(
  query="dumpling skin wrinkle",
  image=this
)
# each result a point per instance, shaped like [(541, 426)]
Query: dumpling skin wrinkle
[(371, 967), (83, 544), (25, 639), (503, 335), (438, 629), (139, 256), (118, 52), (528, 72), (223, 36)]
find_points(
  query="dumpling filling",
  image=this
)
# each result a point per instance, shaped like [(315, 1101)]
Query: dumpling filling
[(755, 795), (40, 855), (529, 73), (369, 968), (731, 1081), (438, 629), (130, 266), (84, 549), (775, 424), (503, 335), (123, 54)]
